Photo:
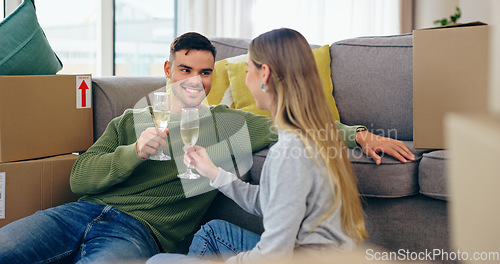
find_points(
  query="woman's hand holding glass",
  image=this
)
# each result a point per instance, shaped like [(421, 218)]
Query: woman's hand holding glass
[(197, 157)]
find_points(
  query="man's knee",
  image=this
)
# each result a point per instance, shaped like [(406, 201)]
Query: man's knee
[(216, 224), (211, 228)]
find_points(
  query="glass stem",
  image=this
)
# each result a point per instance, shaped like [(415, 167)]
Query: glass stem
[(188, 169)]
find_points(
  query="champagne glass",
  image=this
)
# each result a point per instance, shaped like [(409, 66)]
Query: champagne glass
[(161, 116), (190, 129)]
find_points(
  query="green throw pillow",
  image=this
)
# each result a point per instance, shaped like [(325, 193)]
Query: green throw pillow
[(24, 49)]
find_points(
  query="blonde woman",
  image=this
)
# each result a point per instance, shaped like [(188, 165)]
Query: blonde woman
[(308, 196)]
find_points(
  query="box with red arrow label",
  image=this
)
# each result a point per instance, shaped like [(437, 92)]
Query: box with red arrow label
[(44, 115), (83, 92)]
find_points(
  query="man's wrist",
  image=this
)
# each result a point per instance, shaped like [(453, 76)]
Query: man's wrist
[(358, 135), (359, 129)]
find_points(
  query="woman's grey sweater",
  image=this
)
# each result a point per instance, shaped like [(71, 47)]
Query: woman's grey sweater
[(294, 193)]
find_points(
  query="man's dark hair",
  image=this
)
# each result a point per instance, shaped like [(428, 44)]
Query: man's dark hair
[(189, 41)]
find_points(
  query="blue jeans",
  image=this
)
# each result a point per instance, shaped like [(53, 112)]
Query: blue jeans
[(216, 240), (79, 232)]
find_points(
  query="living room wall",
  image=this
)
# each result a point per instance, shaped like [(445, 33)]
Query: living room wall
[(488, 12), (426, 11)]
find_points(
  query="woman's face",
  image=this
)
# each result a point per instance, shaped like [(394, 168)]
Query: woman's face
[(254, 80)]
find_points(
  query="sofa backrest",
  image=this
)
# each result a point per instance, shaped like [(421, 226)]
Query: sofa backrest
[(229, 47), (373, 83), (372, 80), (112, 95)]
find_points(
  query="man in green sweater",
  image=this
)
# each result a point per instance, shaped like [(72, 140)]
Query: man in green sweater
[(132, 207)]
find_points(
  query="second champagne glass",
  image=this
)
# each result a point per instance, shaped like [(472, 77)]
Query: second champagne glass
[(190, 129), (161, 116)]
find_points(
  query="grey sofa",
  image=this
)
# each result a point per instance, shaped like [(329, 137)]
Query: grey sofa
[(405, 204)]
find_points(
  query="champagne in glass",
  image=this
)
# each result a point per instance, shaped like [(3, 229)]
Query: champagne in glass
[(190, 135), (161, 116), (190, 129)]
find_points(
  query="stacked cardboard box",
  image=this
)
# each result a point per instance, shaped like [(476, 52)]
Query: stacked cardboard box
[(43, 119)]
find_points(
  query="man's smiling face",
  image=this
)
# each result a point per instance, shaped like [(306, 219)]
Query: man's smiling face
[(191, 76)]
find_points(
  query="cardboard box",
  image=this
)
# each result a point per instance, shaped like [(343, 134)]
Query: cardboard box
[(450, 74), (473, 183), (43, 116), (29, 186)]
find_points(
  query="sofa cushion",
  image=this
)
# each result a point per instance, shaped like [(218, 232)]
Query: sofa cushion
[(112, 95), (432, 174), (390, 179), (24, 49), (373, 83)]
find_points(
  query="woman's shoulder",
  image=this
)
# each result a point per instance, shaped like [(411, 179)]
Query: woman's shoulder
[(288, 138), (288, 143), (295, 146)]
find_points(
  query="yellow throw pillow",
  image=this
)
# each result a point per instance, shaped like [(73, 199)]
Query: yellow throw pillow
[(243, 99), (220, 79), (220, 82)]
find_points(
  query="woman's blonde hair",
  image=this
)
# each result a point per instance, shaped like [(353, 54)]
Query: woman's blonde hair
[(300, 106)]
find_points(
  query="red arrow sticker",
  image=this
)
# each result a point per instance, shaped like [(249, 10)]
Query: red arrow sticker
[(83, 92)]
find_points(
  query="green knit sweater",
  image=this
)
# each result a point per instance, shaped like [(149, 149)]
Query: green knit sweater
[(111, 173)]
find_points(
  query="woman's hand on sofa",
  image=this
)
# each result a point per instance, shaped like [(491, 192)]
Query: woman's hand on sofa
[(373, 144)]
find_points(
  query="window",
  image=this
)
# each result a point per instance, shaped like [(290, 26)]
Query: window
[(71, 29), (129, 37), (143, 33), (107, 37), (320, 21), (325, 21)]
